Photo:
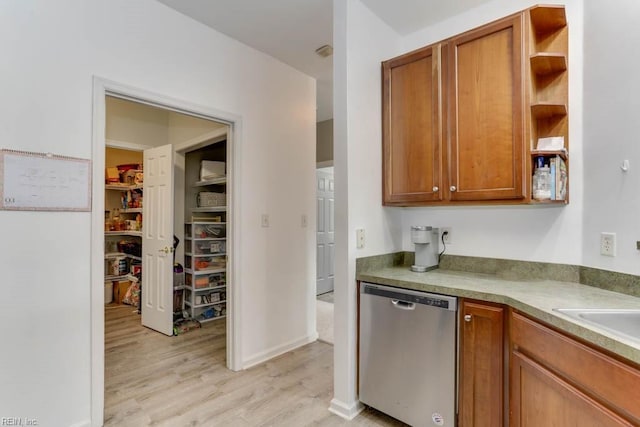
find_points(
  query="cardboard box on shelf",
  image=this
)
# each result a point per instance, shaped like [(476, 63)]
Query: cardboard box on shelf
[(112, 176), (120, 290)]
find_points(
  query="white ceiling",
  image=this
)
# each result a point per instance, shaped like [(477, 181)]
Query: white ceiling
[(291, 30), (408, 16)]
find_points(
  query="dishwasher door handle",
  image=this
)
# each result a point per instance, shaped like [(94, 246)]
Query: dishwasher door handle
[(403, 305)]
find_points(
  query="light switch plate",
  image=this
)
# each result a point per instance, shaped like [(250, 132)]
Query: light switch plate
[(360, 238)]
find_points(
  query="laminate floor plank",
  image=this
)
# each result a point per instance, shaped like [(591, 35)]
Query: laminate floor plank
[(155, 380)]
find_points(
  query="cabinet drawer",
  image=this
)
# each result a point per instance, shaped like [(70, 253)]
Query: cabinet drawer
[(610, 381), (205, 230), (205, 247), (203, 281), (205, 263)]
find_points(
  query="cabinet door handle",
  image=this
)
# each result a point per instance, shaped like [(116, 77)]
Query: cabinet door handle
[(467, 318), (435, 188), (453, 188)]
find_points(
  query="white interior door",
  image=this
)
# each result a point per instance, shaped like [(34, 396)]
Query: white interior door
[(325, 249), (157, 240)]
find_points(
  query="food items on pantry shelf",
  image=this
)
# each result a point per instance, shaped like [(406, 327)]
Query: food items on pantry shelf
[(131, 199), (139, 178), (132, 296), (112, 176)]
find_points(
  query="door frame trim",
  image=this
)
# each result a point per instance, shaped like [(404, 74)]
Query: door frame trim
[(101, 88)]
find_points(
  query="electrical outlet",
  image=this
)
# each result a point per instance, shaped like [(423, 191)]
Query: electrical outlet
[(265, 220), (360, 238), (608, 244), (447, 237)]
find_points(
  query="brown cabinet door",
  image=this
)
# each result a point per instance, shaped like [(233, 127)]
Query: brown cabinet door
[(486, 113), (411, 128), (481, 365), (540, 398), (551, 373)]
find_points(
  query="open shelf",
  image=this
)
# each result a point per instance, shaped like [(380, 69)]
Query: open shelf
[(205, 255), (542, 110), (123, 233), (205, 238), (210, 209), (210, 271), (548, 18), (214, 181), (121, 254), (212, 288), (549, 81), (123, 187), (548, 63), (209, 304), (131, 210), (129, 277), (548, 153)]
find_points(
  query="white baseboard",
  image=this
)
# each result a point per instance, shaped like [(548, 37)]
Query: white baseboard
[(278, 350), (83, 423), (348, 412)]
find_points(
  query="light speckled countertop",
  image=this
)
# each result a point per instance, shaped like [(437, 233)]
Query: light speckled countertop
[(536, 298)]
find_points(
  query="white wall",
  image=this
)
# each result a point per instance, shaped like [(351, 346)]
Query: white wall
[(361, 40), (611, 129), (183, 128), (51, 51), (131, 122)]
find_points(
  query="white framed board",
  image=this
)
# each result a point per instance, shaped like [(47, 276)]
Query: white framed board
[(44, 182)]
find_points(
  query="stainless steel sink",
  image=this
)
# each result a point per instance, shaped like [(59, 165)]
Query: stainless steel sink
[(624, 322)]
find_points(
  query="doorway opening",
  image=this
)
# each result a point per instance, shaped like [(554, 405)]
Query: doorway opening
[(184, 207), (325, 252), (143, 122)]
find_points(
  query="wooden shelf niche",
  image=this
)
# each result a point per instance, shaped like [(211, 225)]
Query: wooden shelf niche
[(549, 79)]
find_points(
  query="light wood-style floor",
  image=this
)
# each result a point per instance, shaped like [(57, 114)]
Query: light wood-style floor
[(152, 379)]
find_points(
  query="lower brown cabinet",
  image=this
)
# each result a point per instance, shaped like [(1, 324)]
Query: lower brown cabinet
[(481, 386), (558, 381), (552, 379)]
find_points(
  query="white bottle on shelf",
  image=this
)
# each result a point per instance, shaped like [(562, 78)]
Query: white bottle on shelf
[(542, 183)]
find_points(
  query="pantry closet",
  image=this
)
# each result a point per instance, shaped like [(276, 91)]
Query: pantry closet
[(184, 276)]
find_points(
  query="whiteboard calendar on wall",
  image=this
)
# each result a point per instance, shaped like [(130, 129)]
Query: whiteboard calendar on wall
[(44, 182)]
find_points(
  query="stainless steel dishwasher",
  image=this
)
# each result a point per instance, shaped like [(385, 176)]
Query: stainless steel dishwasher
[(408, 354)]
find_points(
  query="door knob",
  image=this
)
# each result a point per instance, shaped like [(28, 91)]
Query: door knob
[(467, 318), (435, 188), (166, 250), (453, 188)]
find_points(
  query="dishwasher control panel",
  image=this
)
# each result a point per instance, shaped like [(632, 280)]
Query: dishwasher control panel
[(434, 300)]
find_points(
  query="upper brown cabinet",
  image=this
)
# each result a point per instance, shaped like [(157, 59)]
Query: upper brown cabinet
[(461, 118), (412, 129), (485, 102)]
